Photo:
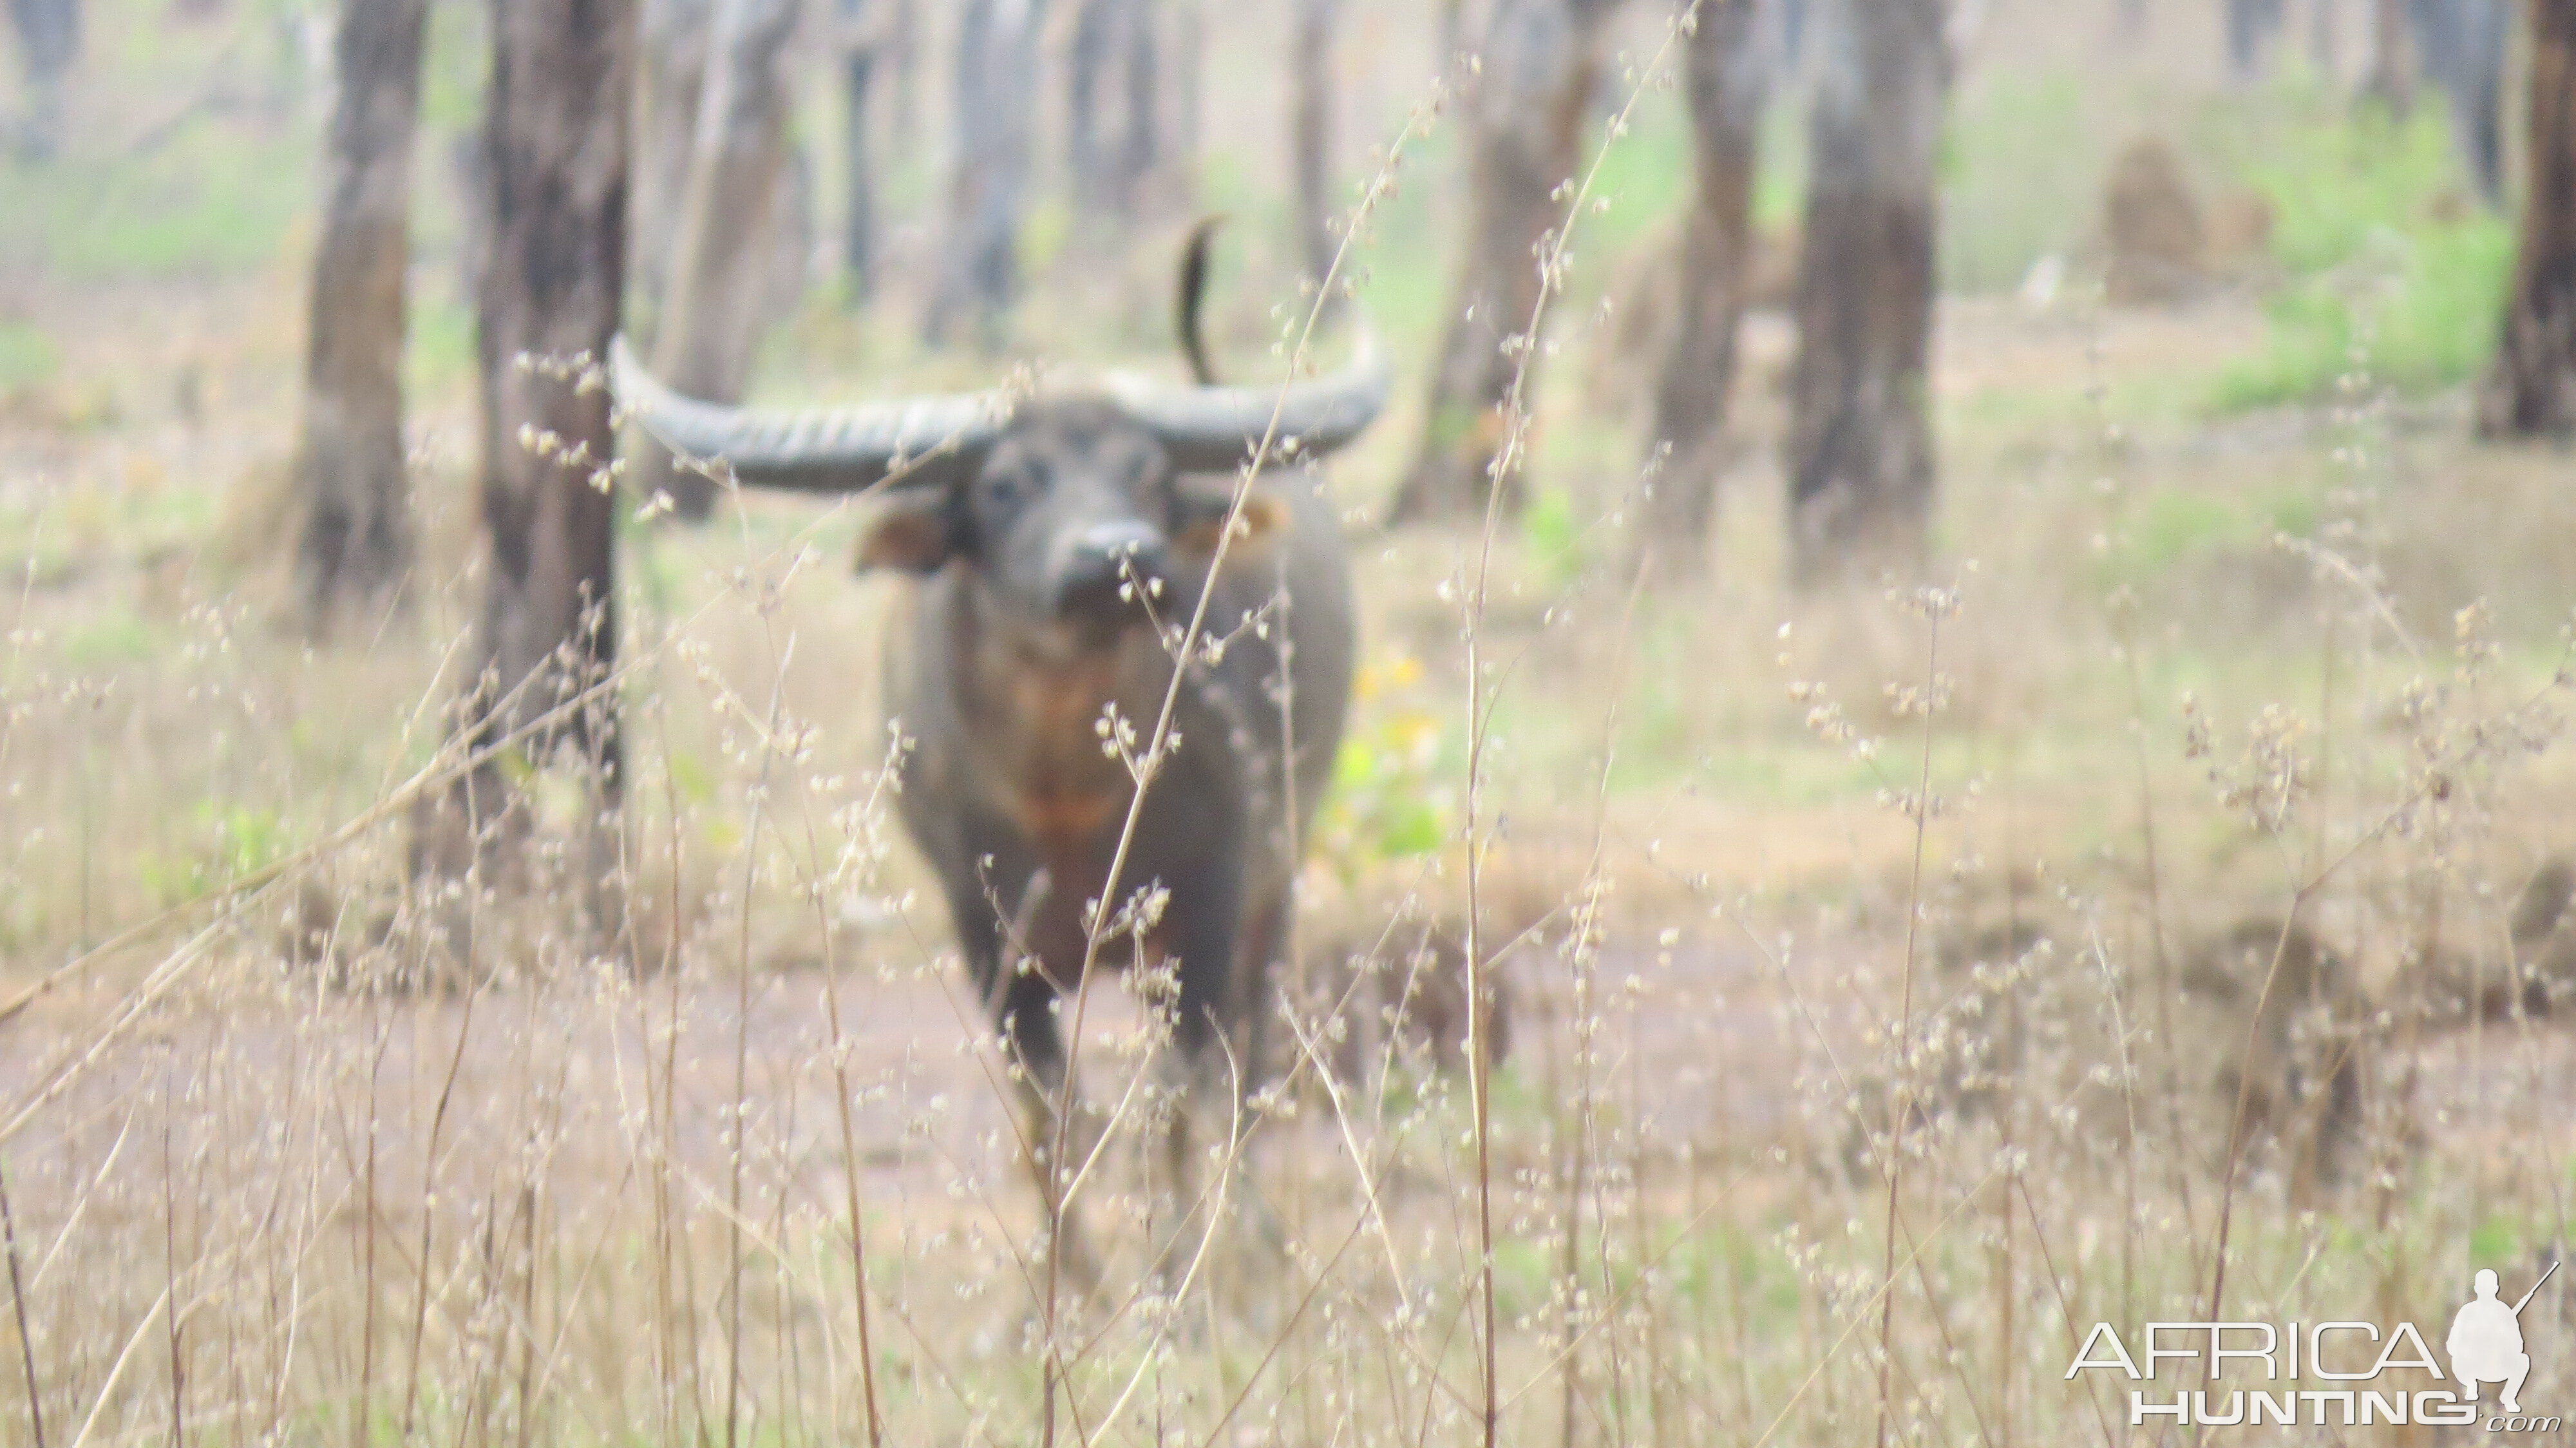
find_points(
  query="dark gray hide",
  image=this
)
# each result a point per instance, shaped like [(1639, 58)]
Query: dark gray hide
[(1032, 625), (1057, 545)]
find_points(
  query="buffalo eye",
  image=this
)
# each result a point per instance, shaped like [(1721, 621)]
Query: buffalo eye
[(1006, 488)]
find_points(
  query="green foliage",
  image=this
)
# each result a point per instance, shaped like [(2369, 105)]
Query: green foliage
[(244, 838), (1045, 229), (1404, 269), (455, 65), (1401, 267), (111, 636), (2495, 1242), (1780, 180), (1552, 529), (27, 355), (225, 841), (2170, 527), (2019, 171), (1391, 797), (2338, 178), (2395, 279), (215, 198), (1644, 176), (2426, 322), (438, 343)]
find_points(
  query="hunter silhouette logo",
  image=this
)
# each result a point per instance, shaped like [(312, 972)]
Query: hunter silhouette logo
[(2486, 1341), (2364, 1373)]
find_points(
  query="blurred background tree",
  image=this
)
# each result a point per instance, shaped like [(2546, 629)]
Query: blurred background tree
[(49, 39), (717, 245), (351, 468), (556, 126), (2533, 387)]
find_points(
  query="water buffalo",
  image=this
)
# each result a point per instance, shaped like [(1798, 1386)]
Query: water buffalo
[(1061, 547)]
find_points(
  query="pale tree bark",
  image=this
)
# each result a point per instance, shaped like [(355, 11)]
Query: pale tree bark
[(49, 36), (723, 242), (2251, 27), (1453, 32), (1140, 138), (1310, 134), (903, 58), (979, 268), (1728, 82), (2390, 81), (555, 133), (1189, 97), (2323, 42), (1088, 63), (1112, 133), (2531, 390), (863, 44), (2462, 45), (355, 539), (1860, 426), (1525, 117), (671, 53)]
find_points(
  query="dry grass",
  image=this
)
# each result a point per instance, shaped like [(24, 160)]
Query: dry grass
[(1889, 994)]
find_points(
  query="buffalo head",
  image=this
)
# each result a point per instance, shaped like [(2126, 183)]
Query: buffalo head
[(1064, 508)]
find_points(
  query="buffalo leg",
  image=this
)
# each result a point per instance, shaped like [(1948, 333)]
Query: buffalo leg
[(1206, 902), (1258, 959), (995, 909), (993, 904), (1257, 962)]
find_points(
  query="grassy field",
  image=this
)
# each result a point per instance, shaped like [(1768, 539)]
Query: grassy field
[(1891, 979)]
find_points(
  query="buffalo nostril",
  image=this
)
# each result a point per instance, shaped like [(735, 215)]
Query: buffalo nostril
[(1104, 565), (1116, 550), (1120, 541)]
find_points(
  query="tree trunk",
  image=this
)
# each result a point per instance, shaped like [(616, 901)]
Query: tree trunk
[(556, 126), (1087, 66), (356, 541), (903, 54), (2391, 79), (1140, 142), (2532, 389), (862, 41), (1310, 135), (2462, 44), (2322, 40), (672, 52), (1112, 134), (2251, 26), (1525, 118), (723, 242), (49, 35), (2477, 92), (1860, 427), (979, 270), (1728, 84), (1189, 99)]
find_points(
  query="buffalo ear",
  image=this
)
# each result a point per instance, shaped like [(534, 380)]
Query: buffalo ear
[(914, 534), (1202, 518)]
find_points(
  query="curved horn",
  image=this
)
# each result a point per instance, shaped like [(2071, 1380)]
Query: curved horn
[(1216, 429), (918, 441)]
